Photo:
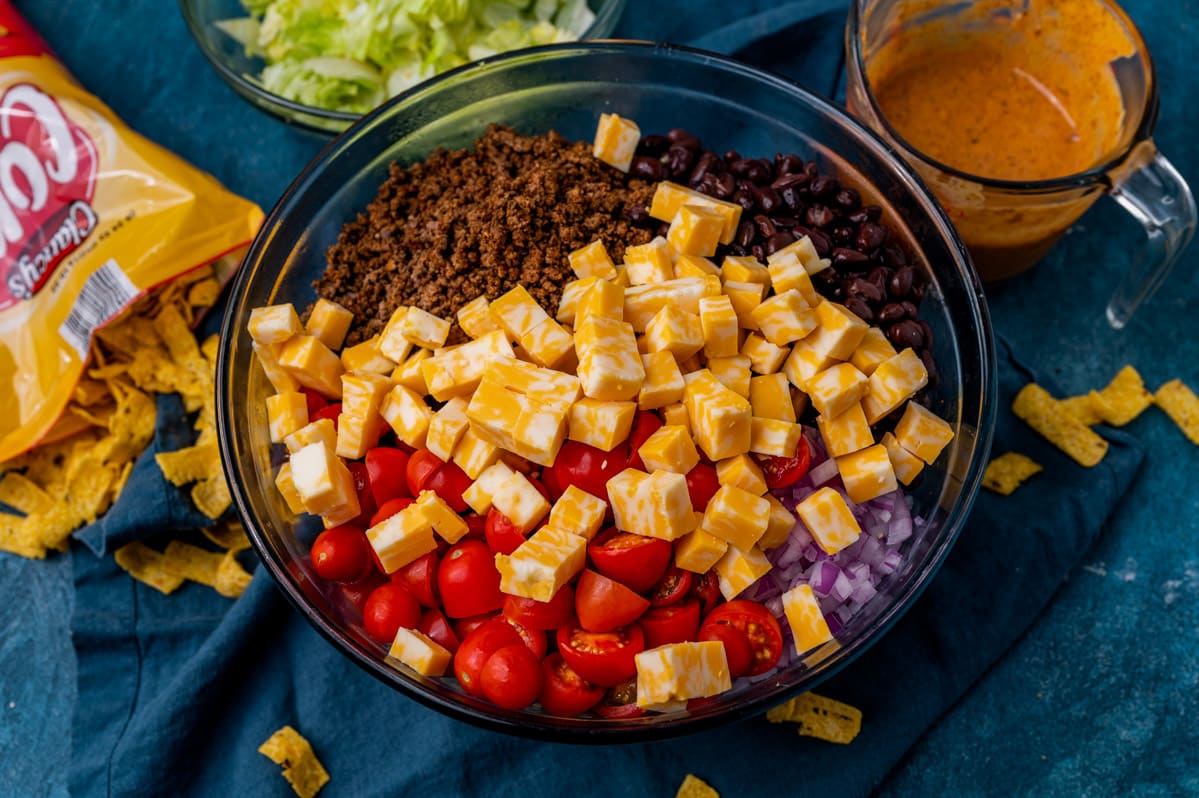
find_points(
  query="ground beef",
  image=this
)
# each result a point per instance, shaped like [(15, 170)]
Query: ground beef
[(479, 221)]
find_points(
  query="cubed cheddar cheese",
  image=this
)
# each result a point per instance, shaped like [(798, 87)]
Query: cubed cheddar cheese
[(738, 569), (480, 493), (409, 372), (922, 433), (518, 423), (287, 489), (572, 293), (906, 465), (770, 397), (833, 390), (829, 520), (517, 312), (663, 381), (552, 388), (642, 302), (408, 415), (698, 551), (610, 367), (784, 318), (803, 250), (669, 197), (279, 377), (329, 322), (475, 455), (274, 324), (787, 273), (402, 538), (648, 263), (669, 448), (675, 414), (764, 357), (391, 342), (743, 269), (867, 473), (773, 437), (808, 627), (592, 260), (286, 412), (601, 424), (742, 472), (367, 358), (475, 317), (616, 140), (362, 393), (655, 505), (578, 512), (745, 298), (358, 434), (312, 364), (718, 322), (603, 298), (447, 427), (446, 523), (322, 481), (549, 344), (732, 372), (542, 564), (694, 266), (893, 382), (421, 653), (678, 672), (459, 371), (675, 331), (872, 351), (520, 502), (695, 230), (737, 516), (424, 329), (320, 431), (839, 333), (779, 527), (719, 417), (846, 433), (804, 363)]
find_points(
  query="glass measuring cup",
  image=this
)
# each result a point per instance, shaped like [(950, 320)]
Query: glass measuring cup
[(1008, 225)]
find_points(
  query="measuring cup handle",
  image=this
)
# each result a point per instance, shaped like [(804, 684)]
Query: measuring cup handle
[(1157, 197)]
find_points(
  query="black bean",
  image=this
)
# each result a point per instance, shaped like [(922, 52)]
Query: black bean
[(760, 171), (825, 186), (864, 289), (738, 250), (848, 199), (744, 198), (683, 138), (767, 199), (706, 163), (906, 334), (759, 251), (648, 167), (894, 256), (878, 277), (784, 222), (636, 214), (789, 164), (679, 159), (725, 185), (870, 236), (654, 145), (731, 156), (826, 278), (819, 216), (918, 288), (909, 310), (858, 217), (792, 198), (891, 313), (930, 365), (745, 234), (849, 257), (740, 167), (927, 329), (821, 241), (707, 184), (765, 227), (873, 212), (778, 241), (858, 307), (843, 234), (663, 229), (789, 180)]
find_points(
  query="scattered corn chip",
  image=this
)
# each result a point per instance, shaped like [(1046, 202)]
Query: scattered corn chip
[(231, 579), (192, 562), (16, 538), (695, 787), (147, 566), (1008, 471), (1123, 399), (211, 495), (1041, 412), (23, 494), (820, 717), (1081, 408), (1182, 406), (186, 465), (229, 535), (301, 768)]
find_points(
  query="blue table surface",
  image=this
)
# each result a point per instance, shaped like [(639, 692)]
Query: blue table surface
[(1105, 679)]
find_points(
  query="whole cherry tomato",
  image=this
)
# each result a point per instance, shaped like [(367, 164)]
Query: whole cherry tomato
[(315, 402), (783, 472), (565, 692), (541, 615), (702, 485), (620, 701), (635, 561), (586, 467), (450, 482), (477, 647), (671, 624), (387, 468), (421, 465), (535, 639), (366, 499), (761, 629), (604, 604), (388, 509), (341, 554), (671, 588), (645, 423), (464, 626), (331, 412), (434, 624), (603, 658), (511, 677), (737, 650), (387, 609), (358, 592), (419, 578), (468, 580), (501, 535)]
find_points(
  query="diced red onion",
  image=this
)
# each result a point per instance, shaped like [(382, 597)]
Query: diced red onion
[(863, 592), (858, 572), (834, 624), (890, 563), (824, 575), (823, 473), (775, 605), (841, 587)]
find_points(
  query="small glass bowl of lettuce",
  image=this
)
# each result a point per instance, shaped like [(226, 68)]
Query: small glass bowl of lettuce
[(321, 64)]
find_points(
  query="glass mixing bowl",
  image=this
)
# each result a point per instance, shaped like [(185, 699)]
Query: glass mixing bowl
[(228, 57), (565, 87)]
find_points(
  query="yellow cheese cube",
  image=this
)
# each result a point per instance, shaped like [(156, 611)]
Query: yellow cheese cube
[(357, 434), (807, 623), (610, 367), (578, 512), (695, 230), (516, 422), (675, 331), (774, 437), (287, 489), (784, 318), (479, 495), (663, 381), (803, 250), (846, 433), (603, 298), (804, 363), (549, 344), (689, 365), (280, 379), (719, 417), (616, 140), (475, 455), (312, 364), (741, 472), (780, 525), (407, 414), (829, 520), (572, 293), (542, 564), (520, 502), (592, 260), (517, 312), (669, 197), (655, 505), (906, 465), (458, 371), (322, 480), (447, 427), (424, 329), (872, 351), (922, 433), (362, 393), (329, 322), (551, 388), (839, 333), (770, 397), (698, 551), (764, 357), (409, 372), (745, 298), (789, 272), (867, 473), (732, 372), (648, 263), (669, 448), (420, 652), (738, 569), (287, 412), (367, 358), (402, 538), (446, 523), (274, 324), (391, 342), (736, 515), (675, 414), (833, 390), (743, 269), (320, 431), (718, 322), (694, 266), (892, 383), (475, 317), (681, 671), (642, 302), (601, 424)]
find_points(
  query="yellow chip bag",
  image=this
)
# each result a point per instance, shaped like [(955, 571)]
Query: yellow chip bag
[(820, 717), (301, 768), (92, 217), (1008, 471)]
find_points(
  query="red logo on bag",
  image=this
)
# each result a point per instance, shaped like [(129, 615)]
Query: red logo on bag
[(47, 179)]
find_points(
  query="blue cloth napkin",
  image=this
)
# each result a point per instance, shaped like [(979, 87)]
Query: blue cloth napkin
[(110, 688)]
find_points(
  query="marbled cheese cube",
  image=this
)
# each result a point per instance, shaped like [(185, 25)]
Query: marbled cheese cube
[(401, 538), (320, 431), (669, 197), (554, 389), (420, 652), (312, 364), (329, 322), (542, 564), (520, 502), (675, 331), (675, 414), (788, 271), (322, 480), (279, 378), (459, 371), (698, 551), (578, 512), (391, 342), (655, 505), (424, 329), (517, 312), (446, 523), (695, 230), (603, 298), (719, 418), (807, 623), (732, 372), (288, 411), (780, 525), (867, 473), (743, 269), (362, 393), (738, 569), (409, 372), (872, 351), (764, 357), (408, 415), (839, 333), (770, 397), (610, 367), (572, 293), (741, 472), (663, 381), (642, 302), (475, 317), (479, 495), (287, 489), (669, 448), (773, 437), (475, 455), (616, 140), (549, 344), (592, 260), (357, 434), (785, 318), (745, 298), (906, 465), (274, 324), (648, 263), (923, 433), (893, 383), (367, 357), (829, 520), (601, 424), (718, 322), (846, 433), (736, 515), (833, 390), (447, 427), (694, 266), (680, 672), (804, 363)]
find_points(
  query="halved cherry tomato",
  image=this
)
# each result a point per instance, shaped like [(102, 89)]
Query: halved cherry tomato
[(671, 588), (702, 485), (449, 482), (542, 615), (419, 578), (387, 609), (476, 526), (388, 509), (421, 465), (565, 692), (585, 467), (388, 471), (468, 580), (502, 537), (783, 472), (645, 423), (477, 647), (706, 588), (535, 639), (315, 402), (737, 650), (358, 592), (511, 677), (464, 626), (434, 624), (635, 561), (603, 658), (362, 486), (331, 412), (620, 702), (604, 604), (672, 624), (760, 627), (341, 554)]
